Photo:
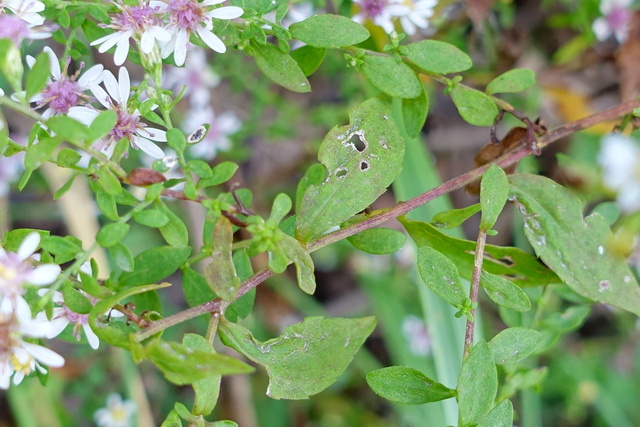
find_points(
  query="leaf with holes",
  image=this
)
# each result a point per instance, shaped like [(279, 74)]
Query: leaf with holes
[(573, 246), (522, 268), (362, 160)]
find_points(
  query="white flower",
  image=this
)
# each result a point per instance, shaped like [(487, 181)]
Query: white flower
[(377, 11), (193, 17), (620, 160), (15, 271), (118, 413), (128, 125), (413, 14), (217, 138), (64, 91), (17, 357), (615, 20), (16, 29), (196, 76), (27, 10)]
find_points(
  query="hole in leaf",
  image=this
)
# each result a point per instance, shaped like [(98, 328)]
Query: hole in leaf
[(364, 165), (340, 173), (357, 141)]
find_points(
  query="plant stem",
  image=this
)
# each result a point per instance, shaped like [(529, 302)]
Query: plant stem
[(473, 292), (512, 157)]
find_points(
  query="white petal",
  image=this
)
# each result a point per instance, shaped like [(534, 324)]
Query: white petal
[(44, 355), (111, 84), (153, 134), (212, 40), (121, 51), (108, 42), (44, 274), (124, 85), (57, 326), (94, 342), (160, 33), (83, 114), (149, 147), (54, 63), (146, 41), (180, 53), (211, 2), (92, 75), (227, 12), (28, 246)]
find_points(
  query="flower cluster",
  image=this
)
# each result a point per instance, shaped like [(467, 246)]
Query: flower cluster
[(616, 15), (20, 20), (166, 25), (412, 14)]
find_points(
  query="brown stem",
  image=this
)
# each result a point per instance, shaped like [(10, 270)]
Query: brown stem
[(509, 158), (473, 292)]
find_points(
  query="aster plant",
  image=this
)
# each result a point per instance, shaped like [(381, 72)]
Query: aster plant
[(163, 100)]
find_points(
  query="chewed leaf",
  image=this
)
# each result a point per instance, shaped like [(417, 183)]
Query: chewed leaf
[(572, 246), (362, 160), (307, 358)]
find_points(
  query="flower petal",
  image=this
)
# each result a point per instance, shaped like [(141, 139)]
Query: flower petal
[(124, 86), (44, 274), (44, 355), (28, 246), (212, 40), (149, 147), (226, 12)]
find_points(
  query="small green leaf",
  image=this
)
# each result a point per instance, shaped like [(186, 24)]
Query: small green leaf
[(75, 300), (154, 265), (474, 107), (309, 58), (39, 74), (573, 246), (174, 231), (329, 31), (68, 157), (441, 276), (112, 233), (122, 257), (221, 173), (513, 345), (200, 168), (303, 262), (242, 307), (392, 77), (477, 385), (65, 187), (68, 128), (314, 175), (220, 272), (281, 207), (494, 190), (512, 81), (414, 113), (208, 388), (379, 241), (437, 57), (500, 416), (307, 358), (281, 68), (195, 288), (102, 124), (176, 139), (64, 249), (153, 218), (407, 386), (108, 181), (362, 160), (504, 292), (454, 217), (41, 152)]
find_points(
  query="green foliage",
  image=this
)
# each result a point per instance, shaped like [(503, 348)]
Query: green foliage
[(329, 31), (378, 241), (454, 217), (504, 292), (220, 272), (500, 416), (307, 358), (154, 265), (391, 76), (38, 76), (513, 344), (441, 276), (494, 189), (477, 385), (281, 68), (474, 107), (400, 384), (362, 160), (512, 81), (437, 57), (414, 113), (571, 244)]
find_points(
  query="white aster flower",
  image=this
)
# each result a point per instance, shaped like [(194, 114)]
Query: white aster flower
[(14, 28), (217, 138), (620, 161), (615, 20), (118, 412), (141, 23), (128, 125), (193, 17), (18, 357), (63, 91), (27, 10), (16, 272), (376, 11), (413, 14)]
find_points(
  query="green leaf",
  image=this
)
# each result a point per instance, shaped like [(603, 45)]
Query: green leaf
[(572, 246), (363, 159), (108, 181), (314, 175), (307, 358), (75, 300), (220, 272), (281, 68), (309, 58), (153, 218), (39, 74), (41, 152), (414, 114), (494, 190), (102, 124), (500, 416), (242, 307), (122, 257), (477, 385), (303, 262), (474, 107), (195, 288), (64, 249), (568, 320), (392, 77), (174, 231), (67, 128), (512, 81), (407, 386), (221, 173), (200, 168), (454, 217), (437, 57), (281, 207), (513, 345), (176, 139), (182, 364), (504, 292), (154, 265), (112, 233), (379, 241), (208, 388), (329, 31), (522, 268), (68, 157), (441, 276)]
